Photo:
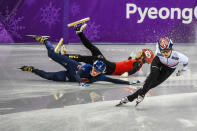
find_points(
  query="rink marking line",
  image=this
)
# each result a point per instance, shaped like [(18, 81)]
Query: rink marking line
[(171, 78), (6, 109), (186, 123)]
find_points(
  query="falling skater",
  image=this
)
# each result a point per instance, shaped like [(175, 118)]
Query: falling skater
[(112, 68), (74, 72)]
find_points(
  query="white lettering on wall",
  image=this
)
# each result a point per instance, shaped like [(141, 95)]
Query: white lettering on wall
[(142, 14), (185, 14), (129, 11)]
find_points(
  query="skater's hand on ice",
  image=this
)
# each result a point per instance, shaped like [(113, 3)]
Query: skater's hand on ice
[(179, 73), (83, 84)]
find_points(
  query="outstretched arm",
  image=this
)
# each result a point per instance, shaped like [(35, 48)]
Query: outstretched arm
[(118, 81), (79, 74), (184, 59), (136, 67)]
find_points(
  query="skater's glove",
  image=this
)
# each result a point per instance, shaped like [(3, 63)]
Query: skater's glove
[(134, 82), (84, 84), (179, 73)]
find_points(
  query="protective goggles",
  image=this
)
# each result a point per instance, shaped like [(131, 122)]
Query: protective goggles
[(96, 70), (165, 51)]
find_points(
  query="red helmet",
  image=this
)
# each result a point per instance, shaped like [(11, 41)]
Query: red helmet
[(149, 55), (165, 43)]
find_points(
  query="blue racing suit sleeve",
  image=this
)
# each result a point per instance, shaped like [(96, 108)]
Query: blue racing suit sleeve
[(112, 80), (83, 71), (77, 76)]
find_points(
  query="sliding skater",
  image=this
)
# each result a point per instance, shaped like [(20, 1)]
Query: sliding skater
[(112, 68), (74, 72)]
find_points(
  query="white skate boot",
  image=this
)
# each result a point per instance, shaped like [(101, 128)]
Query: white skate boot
[(80, 29), (123, 101), (140, 98)]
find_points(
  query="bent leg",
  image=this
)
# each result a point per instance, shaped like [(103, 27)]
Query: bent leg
[(94, 50), (150, 80), (63, 60), (165, 73), (55, 76), (69, 64), (80, 58), (156, 77)]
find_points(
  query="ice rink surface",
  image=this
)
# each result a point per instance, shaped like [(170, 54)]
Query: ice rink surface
[(30, 103)]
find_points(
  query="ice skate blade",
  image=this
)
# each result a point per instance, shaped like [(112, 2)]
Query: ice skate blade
[(79, 22)]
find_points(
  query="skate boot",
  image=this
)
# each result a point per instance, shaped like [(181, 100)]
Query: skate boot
[(40, 39), (63, 50), (27, 68), (140, 98), (123, 101), (81, 28), (132, 55), (129, 58)]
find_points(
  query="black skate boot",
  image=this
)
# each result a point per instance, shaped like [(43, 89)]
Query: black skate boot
[(132, 55), (81, 28), (129, 58), (123, 101), (140, 98), (40, 39), (27, 68)]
